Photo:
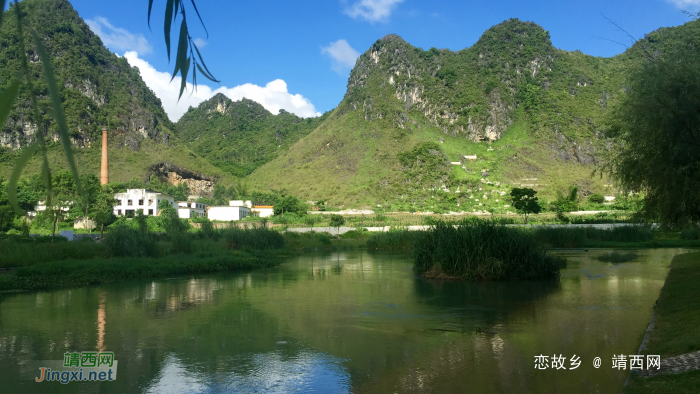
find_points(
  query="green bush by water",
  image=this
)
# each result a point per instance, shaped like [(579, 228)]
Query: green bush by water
[(480, 249)]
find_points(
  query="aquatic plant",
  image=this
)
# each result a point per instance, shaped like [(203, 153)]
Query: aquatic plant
[(479, 249)]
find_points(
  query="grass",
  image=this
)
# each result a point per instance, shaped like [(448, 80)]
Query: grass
[(75, 273), (482, 250), (676, 328), (126, 253)]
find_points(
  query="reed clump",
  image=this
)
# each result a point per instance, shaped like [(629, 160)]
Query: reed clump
[(257, 238), (393, 240), (482, 250)]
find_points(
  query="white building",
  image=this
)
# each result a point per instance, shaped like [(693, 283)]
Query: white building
[(191, 210), (227, 214), (263, 211), (240, 203), (140, 199)]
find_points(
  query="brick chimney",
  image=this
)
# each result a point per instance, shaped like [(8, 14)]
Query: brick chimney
[(104, 172)]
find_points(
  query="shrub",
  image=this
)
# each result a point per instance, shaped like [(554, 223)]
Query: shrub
[(596, 198), (482, 250), (122, 241), (692, 232)]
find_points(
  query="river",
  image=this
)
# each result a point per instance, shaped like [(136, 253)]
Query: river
[(341, 322)]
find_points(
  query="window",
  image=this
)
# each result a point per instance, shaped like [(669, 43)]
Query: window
[(150, 202), (150, 212), (140, 202), (129, 202), (119, 212)]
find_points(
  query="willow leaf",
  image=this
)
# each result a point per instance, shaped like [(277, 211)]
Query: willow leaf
[(185, 70), (7, 100), (168, 21), (150, 7), (181, 51), (208, 74), (177, 8), (205, 73), (200, 17), (27, 154), (57, 105)]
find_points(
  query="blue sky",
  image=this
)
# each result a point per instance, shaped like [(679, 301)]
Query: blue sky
[(297, 55)]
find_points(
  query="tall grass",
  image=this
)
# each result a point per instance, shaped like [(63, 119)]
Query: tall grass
[(17, 250), (123, 241), (571, 237), (482, 250), (393, 240), (257, 238)]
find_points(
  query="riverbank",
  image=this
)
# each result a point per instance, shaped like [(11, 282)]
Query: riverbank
[(675, 331), (60, 274)]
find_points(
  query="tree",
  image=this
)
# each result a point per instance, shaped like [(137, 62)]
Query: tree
[(525, 201), (337, 221), (657, 132)]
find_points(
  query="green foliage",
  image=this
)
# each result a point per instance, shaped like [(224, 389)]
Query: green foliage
[(480, 250), (525, 201), (122, 241), (658, 129), (257, 238), (240, 136), (690, 232), (393, 240), (596, 198), (566, 202), (337, 220)]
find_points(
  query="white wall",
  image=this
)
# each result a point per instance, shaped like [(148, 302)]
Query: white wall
[(227, 214), (264, 212)]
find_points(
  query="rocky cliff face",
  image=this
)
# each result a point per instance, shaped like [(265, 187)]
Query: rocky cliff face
[(198, 183), (98, 87), (471, 93)]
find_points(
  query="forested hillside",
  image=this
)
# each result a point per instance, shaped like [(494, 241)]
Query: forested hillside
[(98, 89), (240, 136), (532, 114)]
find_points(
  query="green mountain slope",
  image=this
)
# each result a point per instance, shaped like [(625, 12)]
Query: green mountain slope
[(532, 114), (240, 136), (98, 89)]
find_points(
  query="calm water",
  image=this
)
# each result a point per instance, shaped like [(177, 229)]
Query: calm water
[(337, 323)]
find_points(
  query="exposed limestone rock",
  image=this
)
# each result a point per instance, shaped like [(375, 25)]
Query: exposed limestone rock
[(168, 172)]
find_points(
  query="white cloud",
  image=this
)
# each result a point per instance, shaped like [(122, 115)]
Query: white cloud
[(118, 39), (372, 10), (686, 4), (342, 54), (273, 96), (200, 43)]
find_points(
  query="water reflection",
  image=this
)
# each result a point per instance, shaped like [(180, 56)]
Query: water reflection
[(341, 322)]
